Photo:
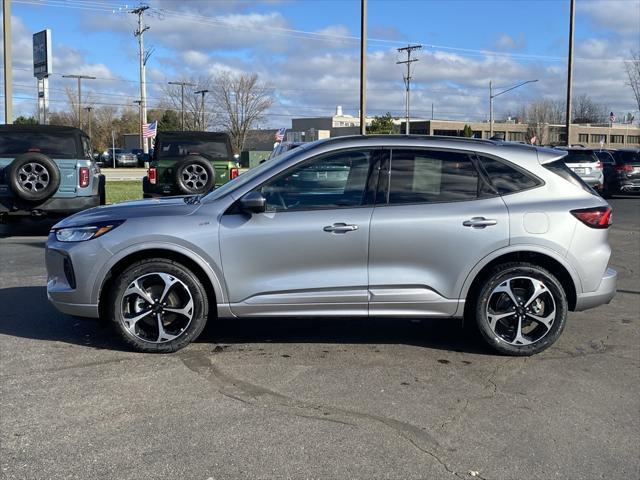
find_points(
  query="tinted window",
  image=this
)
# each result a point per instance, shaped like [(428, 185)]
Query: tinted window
[(580, 157), (53, 144), (604, 157), (625, 156), (560, 168), (333, 181), (205, 148), (424, 176), (506, 178)]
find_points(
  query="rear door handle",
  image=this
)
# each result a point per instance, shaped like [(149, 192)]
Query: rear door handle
[(479, 222), (340, 228)]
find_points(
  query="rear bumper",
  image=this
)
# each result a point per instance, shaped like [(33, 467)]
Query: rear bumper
[(13, 207), (605, 292)]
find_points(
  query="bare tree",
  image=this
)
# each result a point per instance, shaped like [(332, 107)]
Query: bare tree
[(585, 110), (633, 71), (242, 101), (539, 115), (192, 102)]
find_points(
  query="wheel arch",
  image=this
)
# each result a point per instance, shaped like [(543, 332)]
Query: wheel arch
[(552, 262), (196, 264)]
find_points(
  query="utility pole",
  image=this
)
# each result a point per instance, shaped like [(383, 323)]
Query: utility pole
[(140, 137), (79, 78), (88, 109), (363, 67), (143, 60), (572, 4), (182, 85), (8, 58), (407, 78), (202, 92)]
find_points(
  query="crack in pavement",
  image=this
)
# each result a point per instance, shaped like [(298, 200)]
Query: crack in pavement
[(258, 396)]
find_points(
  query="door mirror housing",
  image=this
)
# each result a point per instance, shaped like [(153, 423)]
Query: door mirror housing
[(253, 202)]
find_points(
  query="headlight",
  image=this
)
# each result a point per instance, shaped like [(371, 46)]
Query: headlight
[(81, 234)]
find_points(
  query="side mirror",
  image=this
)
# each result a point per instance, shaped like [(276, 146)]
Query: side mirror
[(253, 202)]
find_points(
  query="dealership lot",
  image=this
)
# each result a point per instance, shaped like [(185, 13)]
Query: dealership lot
[(323, 398)]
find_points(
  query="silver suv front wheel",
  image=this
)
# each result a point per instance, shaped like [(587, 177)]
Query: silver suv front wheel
[(158, 305)]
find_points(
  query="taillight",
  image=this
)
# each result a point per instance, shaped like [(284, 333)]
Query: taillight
[(233, 173), (624, 168), (596, 217), (153, 175), (83, 178)]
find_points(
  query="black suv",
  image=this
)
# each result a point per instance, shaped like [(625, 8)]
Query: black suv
[(47, 170), (189, 163)]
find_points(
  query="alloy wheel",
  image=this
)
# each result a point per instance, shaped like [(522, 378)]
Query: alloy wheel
[(521, 310), (157, 307), (195, 176), (33, 177)]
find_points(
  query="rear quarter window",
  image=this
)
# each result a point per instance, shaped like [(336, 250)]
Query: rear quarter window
[(506, 178), (560, 168)]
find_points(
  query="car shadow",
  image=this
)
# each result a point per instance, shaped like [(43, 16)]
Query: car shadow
[(28, 314), (27, 227)]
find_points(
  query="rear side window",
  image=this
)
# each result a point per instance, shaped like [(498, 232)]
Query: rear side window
[(580, 157), (560, 168), (426, 176), (624, 156), (57, 145), (506, 178)]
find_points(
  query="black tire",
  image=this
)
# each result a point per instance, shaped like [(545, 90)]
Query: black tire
[(33, 177), (503, 339), (142, 338), (195, 175), (102, 189)]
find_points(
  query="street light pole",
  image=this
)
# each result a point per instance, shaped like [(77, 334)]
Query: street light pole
[(182, 85), (202, 92), (363, 67), (88, 109), (572, 5), (494, 95), (141, 138), (79, 78), (8, 58)]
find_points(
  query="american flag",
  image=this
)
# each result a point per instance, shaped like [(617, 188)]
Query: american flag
[(612, 117), (149, 130), (280, 134)]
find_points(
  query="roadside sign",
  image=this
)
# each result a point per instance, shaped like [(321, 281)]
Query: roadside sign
[(42, 54)]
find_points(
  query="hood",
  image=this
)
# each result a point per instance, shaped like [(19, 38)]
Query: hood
[(156, 207)]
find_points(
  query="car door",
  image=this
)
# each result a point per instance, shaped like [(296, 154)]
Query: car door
[(431, 224), (307, 254)]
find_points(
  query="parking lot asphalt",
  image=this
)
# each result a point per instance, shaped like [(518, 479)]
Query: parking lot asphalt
[(320, 398)]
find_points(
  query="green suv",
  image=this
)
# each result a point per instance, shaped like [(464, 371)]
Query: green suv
[(189, 163), (47, 170)]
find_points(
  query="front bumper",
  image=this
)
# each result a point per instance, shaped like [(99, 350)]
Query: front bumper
[(603, 294), (72, 274)]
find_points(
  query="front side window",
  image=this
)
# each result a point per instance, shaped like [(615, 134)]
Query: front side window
[(426, 176), (333, 181)]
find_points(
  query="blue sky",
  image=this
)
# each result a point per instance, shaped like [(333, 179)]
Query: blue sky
[(308, 51)]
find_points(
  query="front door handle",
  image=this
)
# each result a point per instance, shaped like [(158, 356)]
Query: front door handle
[(340, 228), (479, 222)]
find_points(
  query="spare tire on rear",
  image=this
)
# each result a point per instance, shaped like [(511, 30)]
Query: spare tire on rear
[(195, 175), (33, 177)]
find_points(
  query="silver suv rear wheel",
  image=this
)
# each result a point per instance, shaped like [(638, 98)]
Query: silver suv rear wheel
[(521, 309)]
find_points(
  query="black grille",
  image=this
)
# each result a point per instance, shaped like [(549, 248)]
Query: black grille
[(68, 272)]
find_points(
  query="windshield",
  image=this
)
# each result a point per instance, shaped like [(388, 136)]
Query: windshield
[(255, 172), (206, 148), (51, 144)]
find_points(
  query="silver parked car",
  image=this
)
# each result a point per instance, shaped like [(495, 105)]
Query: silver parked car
[(504, 235), (585, 163)]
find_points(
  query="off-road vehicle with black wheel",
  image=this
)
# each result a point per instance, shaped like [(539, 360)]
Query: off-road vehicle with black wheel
[(47, 170), (189, 163)]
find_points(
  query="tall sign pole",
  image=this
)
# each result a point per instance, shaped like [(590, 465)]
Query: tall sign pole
[(572, 5), (8, 74), (363, 67), (143, 86), (42, 68)]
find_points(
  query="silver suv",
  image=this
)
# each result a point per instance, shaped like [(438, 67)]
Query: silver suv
[(504, 235)]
